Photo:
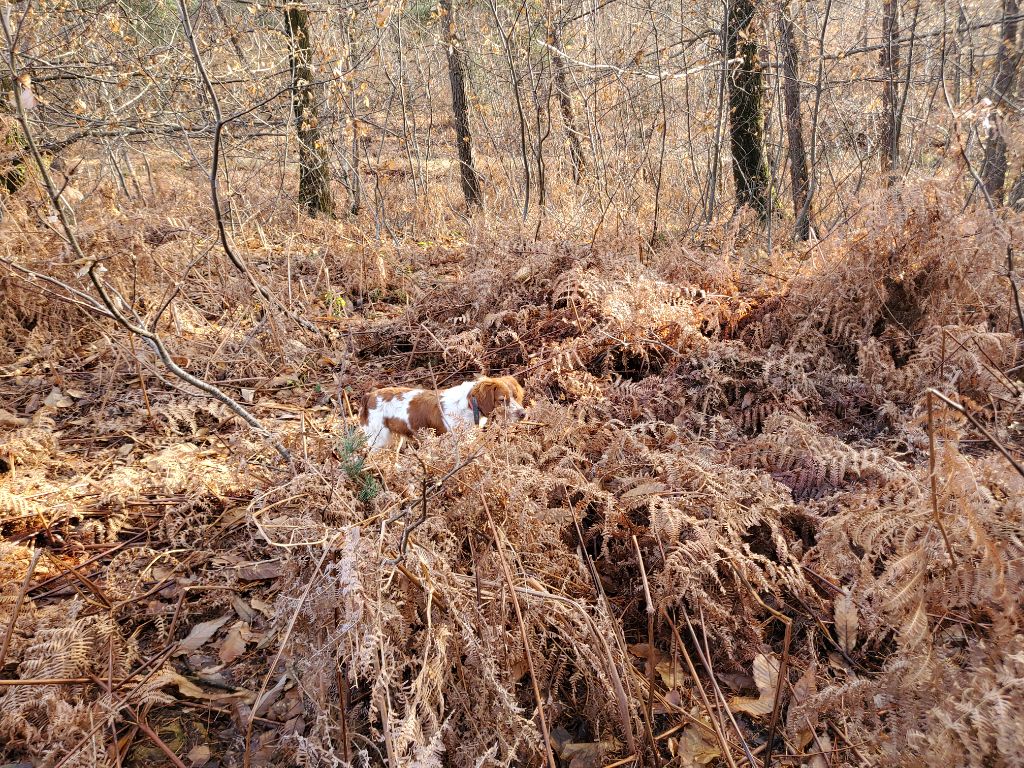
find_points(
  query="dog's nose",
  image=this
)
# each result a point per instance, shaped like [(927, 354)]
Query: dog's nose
[(519, 413)]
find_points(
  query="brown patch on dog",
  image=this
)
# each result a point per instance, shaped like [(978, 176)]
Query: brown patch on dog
[(425, 413), (364, 408), (373, 398), (485, 394), (514, 387), (397, 426)]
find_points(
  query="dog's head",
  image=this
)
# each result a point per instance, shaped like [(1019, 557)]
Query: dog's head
[(502, 395)]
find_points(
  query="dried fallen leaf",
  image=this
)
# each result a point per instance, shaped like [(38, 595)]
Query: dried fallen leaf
[(200, 634), (268, 569), (263, 607), (187, 688), (234, 644), (57, 399), (766, 677), (822, 751), (803, 724), (672, 675), (8, 419), (243, 609), (587, 754), (846, 622), (643, 650), (199, 755), (696, 747)]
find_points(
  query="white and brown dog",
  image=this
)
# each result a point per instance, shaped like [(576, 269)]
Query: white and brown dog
[(402, 411)]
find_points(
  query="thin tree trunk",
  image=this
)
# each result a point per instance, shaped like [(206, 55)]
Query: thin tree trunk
[(13, 173), (565, 104), (889, 59), (723, 80), (993, 168), (794, 126), (460, 109), (746, 108), (314, 176)]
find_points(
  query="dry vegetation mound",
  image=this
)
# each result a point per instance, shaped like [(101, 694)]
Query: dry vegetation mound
[(733, 516)]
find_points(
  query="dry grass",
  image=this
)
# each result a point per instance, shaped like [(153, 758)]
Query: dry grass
[(747, 434)]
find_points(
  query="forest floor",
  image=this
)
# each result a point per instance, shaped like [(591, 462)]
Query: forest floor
[(734, 514)]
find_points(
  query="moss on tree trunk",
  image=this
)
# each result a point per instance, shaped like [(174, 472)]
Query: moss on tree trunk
[(746, 108), (314, 175)]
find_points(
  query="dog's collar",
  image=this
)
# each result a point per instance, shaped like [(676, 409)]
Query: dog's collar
[(476, 410)]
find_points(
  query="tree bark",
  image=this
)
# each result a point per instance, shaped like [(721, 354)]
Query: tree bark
[(565, 104), (314, 175), (13, 172), (746, 108), (794, 127), (889, 60), (993, 168), (460, 109)]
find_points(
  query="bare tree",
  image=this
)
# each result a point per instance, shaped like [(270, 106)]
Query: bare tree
[(889, 60), (794, 125), (746, 107), (314, 174), (565, 101), (460, 108), (993, 169)]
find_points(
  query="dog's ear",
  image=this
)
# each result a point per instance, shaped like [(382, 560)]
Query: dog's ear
[(514, 388), (485, 394)]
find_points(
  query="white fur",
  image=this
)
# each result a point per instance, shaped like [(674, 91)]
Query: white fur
[(377, 435), (455, 411), (454, 408)]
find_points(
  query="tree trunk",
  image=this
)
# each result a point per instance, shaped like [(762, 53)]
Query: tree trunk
[(14, 170), (794, 127), (314, 176), (746, 108), (993, 168), (565, 104), (889, 59), (460, 108)]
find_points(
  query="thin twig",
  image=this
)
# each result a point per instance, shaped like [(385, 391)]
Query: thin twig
[(218, 212), (934, 482), (36, 554), (981, 428), (522, 631), (650, 653), (723, 743), (246, 753), (705, 660), (783, 668)]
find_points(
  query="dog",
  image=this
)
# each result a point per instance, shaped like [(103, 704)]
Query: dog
[(403, 411)]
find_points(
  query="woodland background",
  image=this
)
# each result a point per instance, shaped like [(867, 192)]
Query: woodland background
[(753, 261)]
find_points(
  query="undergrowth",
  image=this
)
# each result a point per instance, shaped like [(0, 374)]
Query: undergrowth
[(733, 511)]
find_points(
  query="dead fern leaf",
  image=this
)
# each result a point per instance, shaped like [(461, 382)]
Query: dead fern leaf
[(915, 628), (644, 489), (845, 614)]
